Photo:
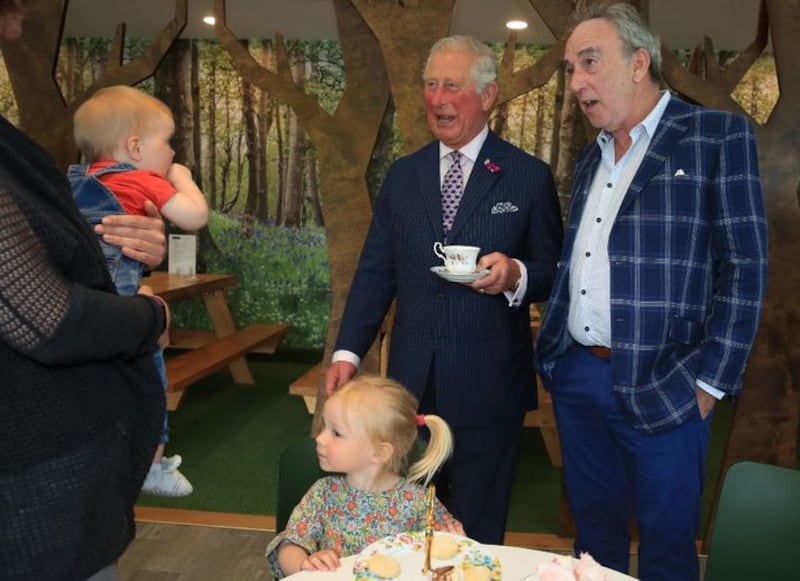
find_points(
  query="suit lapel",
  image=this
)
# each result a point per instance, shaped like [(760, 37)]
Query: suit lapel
[(430, 187), (668, 134), (480, 182)]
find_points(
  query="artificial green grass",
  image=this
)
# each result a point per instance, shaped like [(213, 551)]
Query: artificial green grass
[(230, 435)]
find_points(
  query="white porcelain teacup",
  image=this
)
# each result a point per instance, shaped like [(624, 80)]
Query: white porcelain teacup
[(457, 259)]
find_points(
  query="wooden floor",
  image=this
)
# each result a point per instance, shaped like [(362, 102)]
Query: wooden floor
[(172, 552)]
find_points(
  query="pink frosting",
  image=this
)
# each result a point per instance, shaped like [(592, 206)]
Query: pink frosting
[(565, 568)]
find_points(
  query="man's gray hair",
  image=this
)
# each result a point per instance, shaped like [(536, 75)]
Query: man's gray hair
[(484, 70), (633, 32)]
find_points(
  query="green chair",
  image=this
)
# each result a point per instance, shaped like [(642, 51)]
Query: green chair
[(757, 527), (298, 469)]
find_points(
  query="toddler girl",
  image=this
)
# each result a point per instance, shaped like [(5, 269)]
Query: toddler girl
[(369, 427)]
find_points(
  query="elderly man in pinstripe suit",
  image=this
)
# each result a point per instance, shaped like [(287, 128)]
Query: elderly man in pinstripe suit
[(657, 298), (464, 350)]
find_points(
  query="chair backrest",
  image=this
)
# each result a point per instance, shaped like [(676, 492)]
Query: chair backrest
[(298, 469), (757, 527)]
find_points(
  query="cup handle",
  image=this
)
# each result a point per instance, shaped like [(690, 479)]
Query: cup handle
[(438, 251)]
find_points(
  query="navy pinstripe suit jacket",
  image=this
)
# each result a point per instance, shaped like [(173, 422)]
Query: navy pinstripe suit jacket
[(481, 349), (688, 260)]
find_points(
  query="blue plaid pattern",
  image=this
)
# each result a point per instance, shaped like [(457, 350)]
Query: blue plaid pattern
[(688, 255)]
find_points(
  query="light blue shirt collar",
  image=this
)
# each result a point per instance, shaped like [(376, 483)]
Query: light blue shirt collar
[(647, 125)]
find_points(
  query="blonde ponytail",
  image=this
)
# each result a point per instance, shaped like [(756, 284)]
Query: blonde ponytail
[(439, 449)]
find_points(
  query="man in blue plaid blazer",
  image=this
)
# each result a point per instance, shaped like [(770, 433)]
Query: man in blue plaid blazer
[(657, 297)]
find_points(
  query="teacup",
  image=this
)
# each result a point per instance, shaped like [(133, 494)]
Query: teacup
[(457, 259)]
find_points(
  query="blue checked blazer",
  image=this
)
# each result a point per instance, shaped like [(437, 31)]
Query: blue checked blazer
[(479, 349), (688, 260)]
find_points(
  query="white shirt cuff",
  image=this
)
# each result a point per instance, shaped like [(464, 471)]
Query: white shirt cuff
[(515, 297), (710, 390), (345, 355)]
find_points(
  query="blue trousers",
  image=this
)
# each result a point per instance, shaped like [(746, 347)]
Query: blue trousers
[(614, 472)]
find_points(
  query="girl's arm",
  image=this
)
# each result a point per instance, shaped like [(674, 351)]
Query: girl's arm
[(446, 521), (293, 558)]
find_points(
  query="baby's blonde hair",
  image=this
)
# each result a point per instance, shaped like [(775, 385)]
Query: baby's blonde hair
[(110, 116), (387, 412)]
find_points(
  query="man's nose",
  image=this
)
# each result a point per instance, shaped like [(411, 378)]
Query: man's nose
[(438, 95), (575, 82)]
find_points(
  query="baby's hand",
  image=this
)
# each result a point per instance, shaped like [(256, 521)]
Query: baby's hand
[(325, 560), (178, 172)]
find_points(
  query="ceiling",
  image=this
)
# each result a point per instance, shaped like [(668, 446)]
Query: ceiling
[(681, 23)]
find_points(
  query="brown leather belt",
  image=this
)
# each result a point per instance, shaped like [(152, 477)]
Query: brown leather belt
[(599, 351)]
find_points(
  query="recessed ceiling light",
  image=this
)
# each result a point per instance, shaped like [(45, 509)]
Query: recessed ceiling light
[(516, 25), (210, 20)]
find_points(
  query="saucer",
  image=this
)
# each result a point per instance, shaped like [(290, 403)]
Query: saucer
[(461, 277)]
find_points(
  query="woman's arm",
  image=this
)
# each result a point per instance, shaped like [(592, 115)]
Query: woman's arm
[(56, 321)]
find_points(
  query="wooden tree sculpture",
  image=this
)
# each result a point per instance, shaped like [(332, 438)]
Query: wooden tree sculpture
[(344, 140), (31, 61), (405, 32), (555, 15), (767, 413)]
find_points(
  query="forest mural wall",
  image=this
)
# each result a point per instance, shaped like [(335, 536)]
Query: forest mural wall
[(260, 171), (289, 141)]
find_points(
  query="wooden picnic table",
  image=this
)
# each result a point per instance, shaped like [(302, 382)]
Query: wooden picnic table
[(209, 351)]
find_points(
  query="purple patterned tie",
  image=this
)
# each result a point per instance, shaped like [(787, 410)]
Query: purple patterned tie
[(452, 188)]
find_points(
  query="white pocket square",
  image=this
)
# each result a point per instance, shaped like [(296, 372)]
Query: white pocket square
[(680, 172), (503, 207)]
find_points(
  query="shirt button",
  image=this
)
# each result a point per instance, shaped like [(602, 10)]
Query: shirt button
[(586, 329), (588, 254), (583, 292), (598, 220), (609, 185)]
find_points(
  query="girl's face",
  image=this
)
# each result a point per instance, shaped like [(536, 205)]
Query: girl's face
[(340, 446)]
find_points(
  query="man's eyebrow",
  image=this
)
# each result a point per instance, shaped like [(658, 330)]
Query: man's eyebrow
[(589, 50)]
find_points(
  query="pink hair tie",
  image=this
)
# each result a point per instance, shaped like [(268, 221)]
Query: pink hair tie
[(420, 420)]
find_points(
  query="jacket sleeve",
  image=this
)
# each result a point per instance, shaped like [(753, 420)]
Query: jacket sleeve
[(55, 321), (740, 247)]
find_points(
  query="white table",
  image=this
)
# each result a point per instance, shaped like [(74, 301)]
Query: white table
[(517, 562)]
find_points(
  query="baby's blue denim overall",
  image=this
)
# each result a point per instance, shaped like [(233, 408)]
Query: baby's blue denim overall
[(95, 201)]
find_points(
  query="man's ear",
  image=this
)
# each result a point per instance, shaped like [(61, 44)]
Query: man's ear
[(488, 96), (382, 453), (133, 148), (641, 65)]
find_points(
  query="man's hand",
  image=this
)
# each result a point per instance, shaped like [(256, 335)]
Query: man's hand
[(142, 238), (705, 402), (338, 374), (163, 340), (503, 274)]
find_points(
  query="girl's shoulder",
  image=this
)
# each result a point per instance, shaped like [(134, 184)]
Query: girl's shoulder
[(329, 484)]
